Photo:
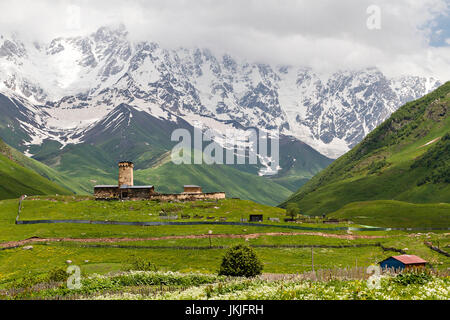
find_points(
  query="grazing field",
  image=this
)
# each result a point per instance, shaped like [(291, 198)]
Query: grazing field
[(186, 255), (29, 252), (76, 207), (73, 207), (390, 213)]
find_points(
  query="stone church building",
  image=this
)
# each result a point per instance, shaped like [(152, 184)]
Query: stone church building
[(126, 190)]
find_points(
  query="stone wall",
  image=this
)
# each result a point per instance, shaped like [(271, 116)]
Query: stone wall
[(106, 193), (139, 194), (110, 193), (188, 196)]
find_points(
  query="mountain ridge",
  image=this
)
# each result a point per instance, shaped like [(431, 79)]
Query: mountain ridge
[(69, 104), (105, 69)]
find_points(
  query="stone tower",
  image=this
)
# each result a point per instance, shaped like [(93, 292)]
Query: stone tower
[(126, 173)]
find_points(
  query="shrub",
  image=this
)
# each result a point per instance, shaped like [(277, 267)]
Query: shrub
[(57, 275), (26, 282), (376, 166), (140, 264), (240, 261), (413, 277)]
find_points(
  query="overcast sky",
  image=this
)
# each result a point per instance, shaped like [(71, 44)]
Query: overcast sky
[(413, 35)]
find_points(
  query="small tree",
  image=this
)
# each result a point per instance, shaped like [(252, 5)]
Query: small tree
[(292, 210), (240, 261)]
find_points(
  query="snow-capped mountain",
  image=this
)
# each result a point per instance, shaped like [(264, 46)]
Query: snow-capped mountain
[(71, 84)]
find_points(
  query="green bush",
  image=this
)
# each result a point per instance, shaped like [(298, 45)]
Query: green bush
[(240, 261), (140, 264), (376, 166), (26, 282), (57, 275), (413, 277)]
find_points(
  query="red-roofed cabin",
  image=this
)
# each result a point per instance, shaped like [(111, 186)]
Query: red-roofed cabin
[(405, 261)]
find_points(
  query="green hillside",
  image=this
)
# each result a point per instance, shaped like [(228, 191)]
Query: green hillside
[(84, 164), (395, 214), (299, 163), (17, 180), (41, 169), (170, 177), (406, 158)]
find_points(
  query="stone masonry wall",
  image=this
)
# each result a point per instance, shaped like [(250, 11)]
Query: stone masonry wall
[(138, 194), (126, 174), (106, 193), (188, 196)]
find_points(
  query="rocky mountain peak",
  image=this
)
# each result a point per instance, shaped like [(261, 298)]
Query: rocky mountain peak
[(94, 74)]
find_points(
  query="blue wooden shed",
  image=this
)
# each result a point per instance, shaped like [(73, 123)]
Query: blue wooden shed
[(402, 262)]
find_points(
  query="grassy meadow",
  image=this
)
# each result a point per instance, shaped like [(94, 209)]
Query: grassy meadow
[(105, 249), (391, 213)]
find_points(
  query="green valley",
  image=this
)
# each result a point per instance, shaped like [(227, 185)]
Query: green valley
[(126, 133)]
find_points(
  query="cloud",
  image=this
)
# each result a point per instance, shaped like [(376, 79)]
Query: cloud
[(325, 35)]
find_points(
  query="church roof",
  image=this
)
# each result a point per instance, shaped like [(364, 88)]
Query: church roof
[(135, 187), (106, 186)]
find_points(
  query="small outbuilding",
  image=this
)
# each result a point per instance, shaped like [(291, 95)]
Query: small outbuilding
[(256, 218), (404, 261)]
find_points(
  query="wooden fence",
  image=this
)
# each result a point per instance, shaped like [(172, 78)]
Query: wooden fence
[(348, 273), (437, 249)]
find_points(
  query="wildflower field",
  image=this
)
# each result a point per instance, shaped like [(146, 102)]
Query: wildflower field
[(434, 289), (153, 285)]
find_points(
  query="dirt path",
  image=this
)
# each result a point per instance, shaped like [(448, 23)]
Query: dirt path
[(429, 142), (14, 244)]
